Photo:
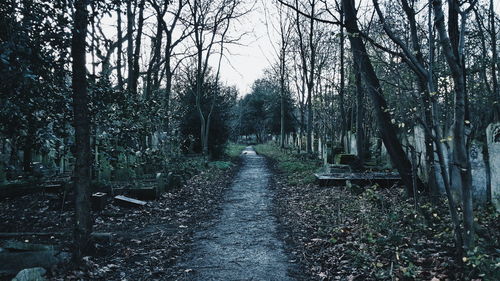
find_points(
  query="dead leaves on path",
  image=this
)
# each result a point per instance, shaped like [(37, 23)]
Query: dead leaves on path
[(146, 241)]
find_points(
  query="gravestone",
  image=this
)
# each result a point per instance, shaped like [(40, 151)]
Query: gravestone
[(161, 182), (419, 143), (31, 274), (478, 170), (353, 148), (155, 140), (493, 139), (320, 148), (385, 158)]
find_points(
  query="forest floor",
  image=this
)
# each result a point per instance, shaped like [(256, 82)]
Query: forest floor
[(146, 242), (371, 233), (265, 219)]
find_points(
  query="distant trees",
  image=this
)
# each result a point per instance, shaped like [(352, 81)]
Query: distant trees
[(210, 21), (260, 112), (217, 99)]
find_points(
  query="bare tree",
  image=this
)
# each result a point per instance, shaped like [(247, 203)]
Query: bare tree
[(452, 43), (134, 76), (170, 45), (386, 128), (414, 59), (284, 31), (210, 23), (308, 64)]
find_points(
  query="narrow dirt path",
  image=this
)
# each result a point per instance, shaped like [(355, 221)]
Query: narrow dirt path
[(241, 243)]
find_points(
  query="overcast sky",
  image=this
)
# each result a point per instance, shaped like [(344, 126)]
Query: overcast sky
[(245, 63)]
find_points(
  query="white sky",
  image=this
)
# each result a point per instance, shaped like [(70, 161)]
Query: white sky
[(245, 63)]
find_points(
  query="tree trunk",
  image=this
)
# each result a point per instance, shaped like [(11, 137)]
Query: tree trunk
[(343, 118), (387, 130), (154, 64), (360, 116), (494, 61), (310, 84), (137, 51), (282, 105), (119, 48), (130, 45), (460, 156), (83, 226)]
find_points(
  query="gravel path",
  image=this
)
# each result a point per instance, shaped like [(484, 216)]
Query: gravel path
[(241, 243)]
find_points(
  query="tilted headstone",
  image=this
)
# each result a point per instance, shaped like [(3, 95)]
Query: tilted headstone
[(493, 140), (478, 170)]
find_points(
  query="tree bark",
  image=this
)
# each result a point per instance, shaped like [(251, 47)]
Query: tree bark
[(119, 48), (343, 116), (137, 51), (460, 156), (130, 45), (360, 118), (83, 219), (387, 131), (154, 64), (310, 84), (494, 61), (282, 96)]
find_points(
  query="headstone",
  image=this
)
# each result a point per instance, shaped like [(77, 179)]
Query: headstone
[(351, 143), (493, 139), (478, 170), (173, 181), (345, 159), (385, 159), (161, 182), (155, 140), (419, 143), (31, 274), (320, 148)]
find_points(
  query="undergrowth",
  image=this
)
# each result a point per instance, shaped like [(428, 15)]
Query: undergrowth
[(373, 233), (299, 169), (234, 149)]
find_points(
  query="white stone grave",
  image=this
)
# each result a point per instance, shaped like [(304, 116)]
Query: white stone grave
[(493, 140)]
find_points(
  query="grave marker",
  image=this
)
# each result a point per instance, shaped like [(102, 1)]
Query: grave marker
[(493, 139)]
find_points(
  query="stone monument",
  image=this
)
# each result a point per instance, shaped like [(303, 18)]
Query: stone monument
[(493, 139)]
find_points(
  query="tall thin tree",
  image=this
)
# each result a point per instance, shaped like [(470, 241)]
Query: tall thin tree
[(83, 219)]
